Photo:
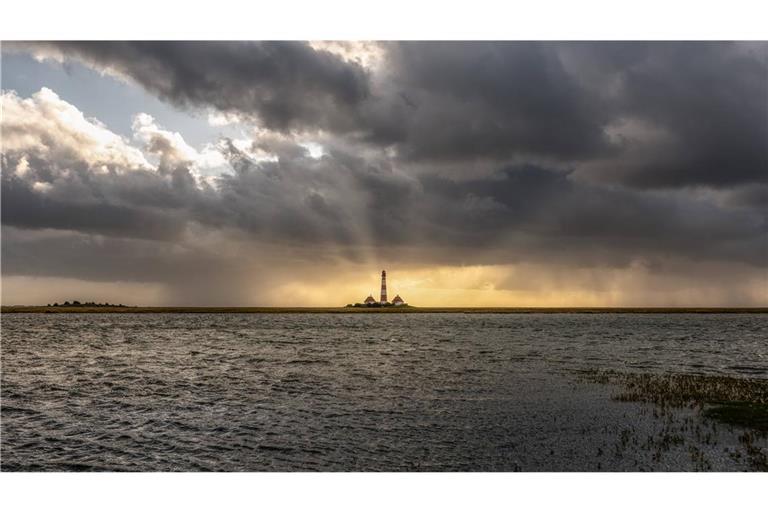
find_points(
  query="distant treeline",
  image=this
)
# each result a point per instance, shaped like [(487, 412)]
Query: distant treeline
[(77, 303)]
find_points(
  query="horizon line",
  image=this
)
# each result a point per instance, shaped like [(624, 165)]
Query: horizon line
[(17, 308)]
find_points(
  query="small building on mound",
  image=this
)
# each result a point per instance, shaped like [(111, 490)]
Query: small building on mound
[(369, 300), (398, 301)]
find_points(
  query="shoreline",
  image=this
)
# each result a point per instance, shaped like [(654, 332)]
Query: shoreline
[(338, 310)]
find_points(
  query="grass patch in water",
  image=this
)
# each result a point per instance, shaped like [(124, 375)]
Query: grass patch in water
[(681, 390), (738, 402), (740, 414)]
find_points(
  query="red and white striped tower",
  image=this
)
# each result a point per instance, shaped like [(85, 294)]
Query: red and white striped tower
[(383, 286)]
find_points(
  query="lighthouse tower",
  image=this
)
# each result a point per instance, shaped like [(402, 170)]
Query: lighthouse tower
[(383, 287)]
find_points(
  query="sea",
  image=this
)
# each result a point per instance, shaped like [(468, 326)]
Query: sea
[(357, 392)]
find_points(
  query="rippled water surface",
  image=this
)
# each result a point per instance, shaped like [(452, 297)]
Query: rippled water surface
[(275, 392)]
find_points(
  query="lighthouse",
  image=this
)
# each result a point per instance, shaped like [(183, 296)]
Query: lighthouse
[(370, 302), (383, 287)]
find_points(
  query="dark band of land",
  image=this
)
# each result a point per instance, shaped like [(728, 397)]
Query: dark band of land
[(365, 311)]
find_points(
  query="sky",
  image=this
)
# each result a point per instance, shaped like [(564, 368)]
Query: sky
[(290, 173)]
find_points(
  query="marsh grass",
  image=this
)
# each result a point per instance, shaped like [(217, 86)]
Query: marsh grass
[(731, 401)]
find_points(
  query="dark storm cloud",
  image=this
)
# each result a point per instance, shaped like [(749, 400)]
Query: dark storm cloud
[(62, 171), (643, 114), (339, 198), (22, 207), (491, 100), (648, 115), (707, 101), (533, 210), (286, 85)]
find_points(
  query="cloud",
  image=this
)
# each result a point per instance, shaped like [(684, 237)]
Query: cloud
[(285, 85), (643, 162), (368, 54), (468, 100), (645, 115), (362, 203), (684, 113), (172, 149), (534, 211), (70, 172), (29, 124)]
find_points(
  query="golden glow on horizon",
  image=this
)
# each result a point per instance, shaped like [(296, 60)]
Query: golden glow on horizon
[(521, 286), (524, 285)]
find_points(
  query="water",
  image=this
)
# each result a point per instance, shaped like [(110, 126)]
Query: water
[(356, 392)]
